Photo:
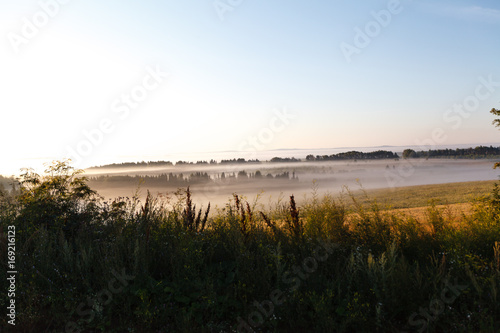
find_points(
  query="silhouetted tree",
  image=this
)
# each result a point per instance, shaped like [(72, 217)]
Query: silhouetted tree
[(60, 199), (496, 122), (409, 153)]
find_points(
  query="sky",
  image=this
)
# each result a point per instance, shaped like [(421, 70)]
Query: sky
[(102, 81)]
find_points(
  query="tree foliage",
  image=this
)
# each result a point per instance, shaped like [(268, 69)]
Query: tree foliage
[(409, 153), (57, 199), (496, 122), (496, 112)]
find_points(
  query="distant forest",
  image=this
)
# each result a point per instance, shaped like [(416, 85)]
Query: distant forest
[(172, 179), (352, 155), (355, 155), (471, 153)]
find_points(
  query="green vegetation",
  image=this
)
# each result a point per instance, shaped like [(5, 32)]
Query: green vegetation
[(423, 195), (469, 153), (164, 266), (178, 163), (354, 155), (284, 159), (136, 164), (496, 122), (178, 179)]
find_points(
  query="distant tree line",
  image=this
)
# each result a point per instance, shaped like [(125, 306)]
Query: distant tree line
[(164, 178), (478, 152), (354, 155), (286, 159), (181, 163), (178, 180), (239, 161), (178, 163), (135, 164)]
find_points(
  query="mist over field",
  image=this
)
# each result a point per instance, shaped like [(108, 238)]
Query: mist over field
[(326, 176), (250, 166)]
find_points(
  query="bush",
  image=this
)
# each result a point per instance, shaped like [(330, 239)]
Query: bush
[(165, 266)]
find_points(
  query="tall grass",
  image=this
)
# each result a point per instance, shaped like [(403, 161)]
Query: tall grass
[(193, 273)]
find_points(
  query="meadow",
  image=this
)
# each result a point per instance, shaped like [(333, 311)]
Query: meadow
[(352, 262), (215, 183)]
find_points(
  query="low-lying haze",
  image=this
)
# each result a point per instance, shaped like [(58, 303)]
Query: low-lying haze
[(328, 176)]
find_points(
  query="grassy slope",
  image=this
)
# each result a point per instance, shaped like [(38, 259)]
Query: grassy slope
[(422, 195)]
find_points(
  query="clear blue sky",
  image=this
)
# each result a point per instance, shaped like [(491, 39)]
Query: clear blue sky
[(231, 67)]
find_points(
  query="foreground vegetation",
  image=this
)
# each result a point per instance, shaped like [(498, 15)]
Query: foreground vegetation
[(163, 265)]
